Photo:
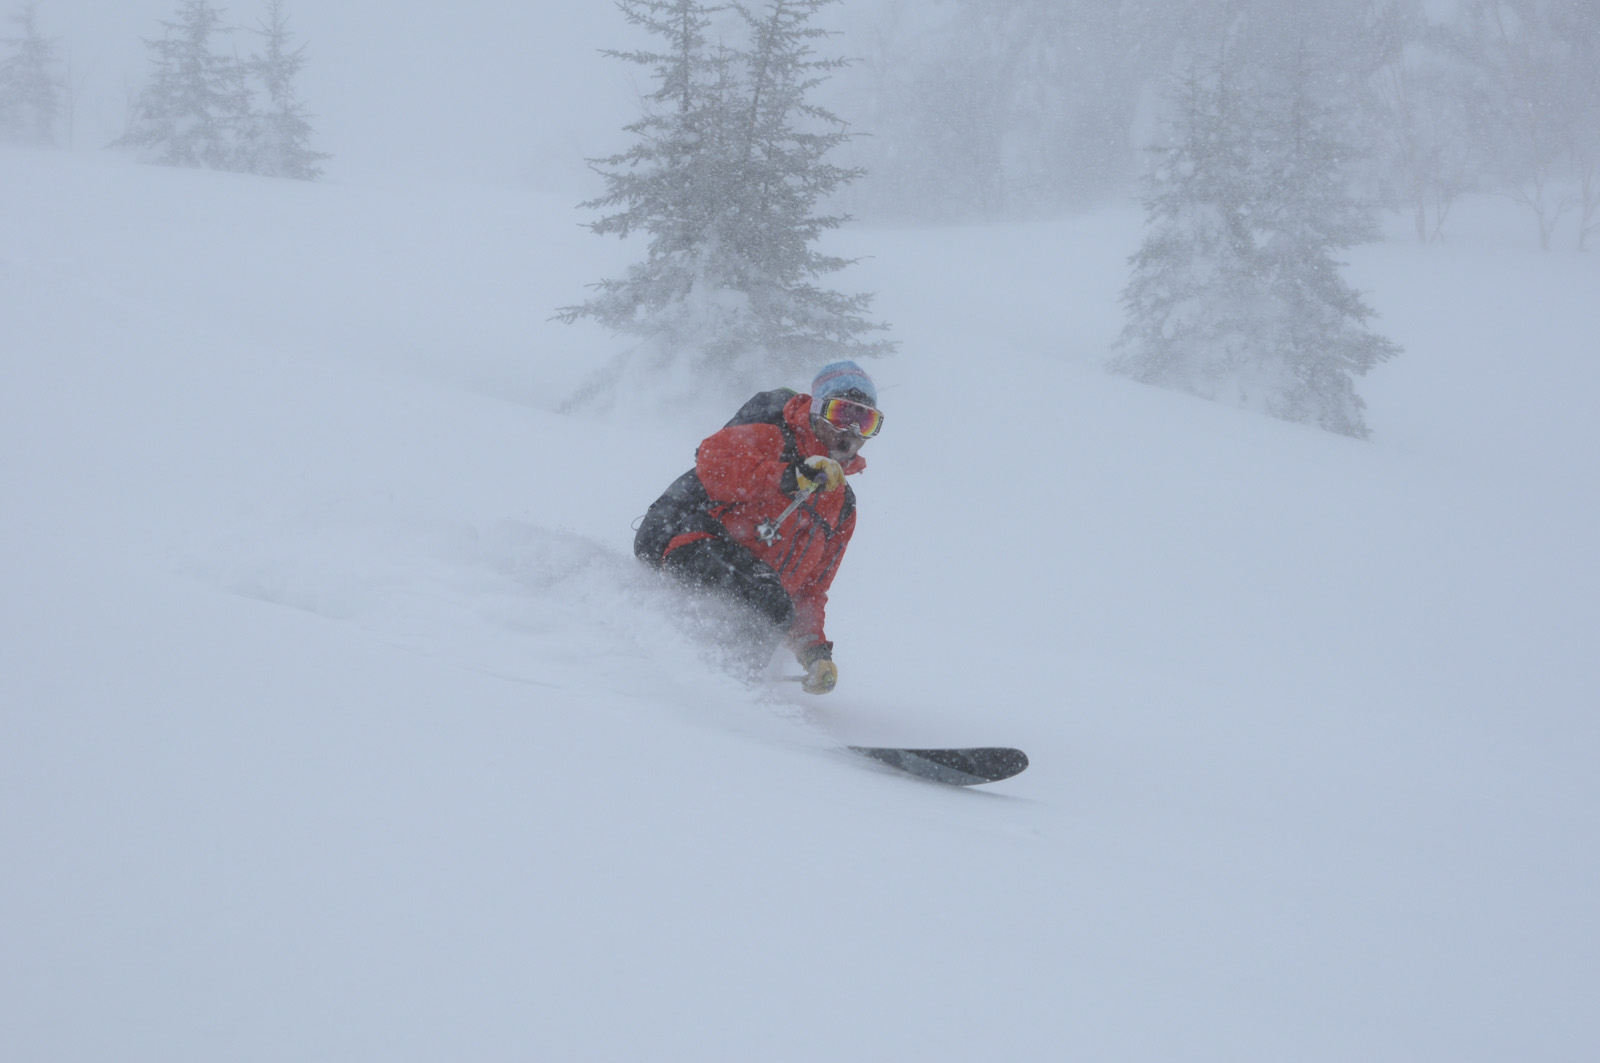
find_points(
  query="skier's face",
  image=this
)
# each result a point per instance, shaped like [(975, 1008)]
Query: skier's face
[(842, 446)]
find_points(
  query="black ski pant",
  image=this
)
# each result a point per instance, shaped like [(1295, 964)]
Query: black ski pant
[(729, 570), (732, 573)]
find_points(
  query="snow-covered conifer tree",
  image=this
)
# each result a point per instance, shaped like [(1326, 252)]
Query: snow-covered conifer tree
[(195, 109), (725, 174), (281, 134), (30, 90), (1192, 298), (1235, 294), (1304, 211)]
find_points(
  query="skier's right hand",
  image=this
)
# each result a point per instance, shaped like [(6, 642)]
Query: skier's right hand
[(819, 471), (821, 672), (821, 676)]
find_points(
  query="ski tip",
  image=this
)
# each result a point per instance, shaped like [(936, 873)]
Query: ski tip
[(972, 766)]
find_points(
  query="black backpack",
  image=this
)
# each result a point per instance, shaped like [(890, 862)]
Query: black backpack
[(684, 506)]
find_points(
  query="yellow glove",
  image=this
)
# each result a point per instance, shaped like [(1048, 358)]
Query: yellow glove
[(821, 673), (820, 471), (820, 677)]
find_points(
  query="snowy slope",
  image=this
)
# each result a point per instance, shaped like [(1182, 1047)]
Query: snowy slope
[(339, 723)]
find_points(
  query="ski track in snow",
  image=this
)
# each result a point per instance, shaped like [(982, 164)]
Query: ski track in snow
[(481, 599)]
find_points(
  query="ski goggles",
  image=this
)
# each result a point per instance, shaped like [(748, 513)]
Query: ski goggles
[(854, 417)]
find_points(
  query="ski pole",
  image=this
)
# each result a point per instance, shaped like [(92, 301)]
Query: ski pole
[(767, 531)]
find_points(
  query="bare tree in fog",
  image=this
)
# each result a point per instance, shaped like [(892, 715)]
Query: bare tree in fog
[(1014, 108), (1423, 140), (1577, 23), (1530, 77), (30, 88), (726, 169), (995, 109), (1025, 108)]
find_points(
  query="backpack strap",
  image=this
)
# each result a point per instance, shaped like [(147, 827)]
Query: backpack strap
[(767, 408)]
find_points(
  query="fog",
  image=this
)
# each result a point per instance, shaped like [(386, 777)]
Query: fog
[(493, 91), (967, 110), (340, 721)]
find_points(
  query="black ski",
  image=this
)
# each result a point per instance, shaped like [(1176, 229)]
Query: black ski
[(953, 767)]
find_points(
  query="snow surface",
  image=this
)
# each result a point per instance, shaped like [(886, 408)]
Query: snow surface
[(337, 721)]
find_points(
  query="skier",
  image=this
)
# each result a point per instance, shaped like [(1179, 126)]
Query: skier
[(764, 517)]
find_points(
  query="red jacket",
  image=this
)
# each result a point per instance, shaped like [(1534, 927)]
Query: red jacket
[(749, 482)]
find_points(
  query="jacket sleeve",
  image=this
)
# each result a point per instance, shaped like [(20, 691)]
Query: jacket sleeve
[(743, 463), (811, 601)]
